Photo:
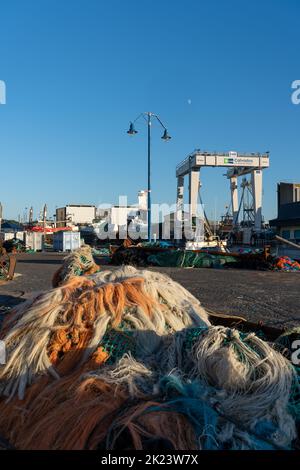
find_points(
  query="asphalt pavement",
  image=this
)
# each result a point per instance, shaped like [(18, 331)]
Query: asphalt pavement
[(271, 297)]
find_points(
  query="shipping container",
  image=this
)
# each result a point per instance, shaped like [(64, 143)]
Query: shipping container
[(5, 236), (34, 241), (66, 241)]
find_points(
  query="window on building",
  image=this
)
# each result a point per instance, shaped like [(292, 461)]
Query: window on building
[(286, 234), (297, 234)]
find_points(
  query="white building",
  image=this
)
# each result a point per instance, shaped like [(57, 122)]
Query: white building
[(142, 200), (121, 214), (75, 214)]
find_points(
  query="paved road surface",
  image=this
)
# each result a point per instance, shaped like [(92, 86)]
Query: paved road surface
[(272, 297)]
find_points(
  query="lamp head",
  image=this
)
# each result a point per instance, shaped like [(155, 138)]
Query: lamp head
[(165, 135), (131, 130)]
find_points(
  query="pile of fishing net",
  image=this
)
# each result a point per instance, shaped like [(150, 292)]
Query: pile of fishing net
[(14, 245), (190, 259), (164, 257), (134, 256), (79, 262), (3, 273), (285, 263), (127, 360), (256, 260)]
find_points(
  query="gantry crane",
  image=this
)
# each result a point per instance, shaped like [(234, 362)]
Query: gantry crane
[(237, 165)]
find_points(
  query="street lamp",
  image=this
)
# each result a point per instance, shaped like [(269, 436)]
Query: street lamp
[(132, 131)]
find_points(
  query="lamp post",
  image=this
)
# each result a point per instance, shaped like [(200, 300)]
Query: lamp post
[(132, 131)]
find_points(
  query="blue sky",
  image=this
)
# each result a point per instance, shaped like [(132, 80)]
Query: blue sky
[(218, 73)]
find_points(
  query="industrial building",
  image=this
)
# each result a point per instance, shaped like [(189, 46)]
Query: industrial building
[(287, 223), (75, 214), (167, 229), (122, 213)]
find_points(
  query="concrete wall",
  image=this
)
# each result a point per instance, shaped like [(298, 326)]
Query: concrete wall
[(118, 215), (61, 217), (288, 193), (289, 211), (69, 215), (169, 223), (81, 214), (102, 213)]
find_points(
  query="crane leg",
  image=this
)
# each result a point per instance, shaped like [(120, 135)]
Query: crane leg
[(179, 208), (193, 192), (234, 199), (256, 180)]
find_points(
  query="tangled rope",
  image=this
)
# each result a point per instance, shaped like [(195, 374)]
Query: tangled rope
[(128, 358), (79, 262), (64, 326)]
